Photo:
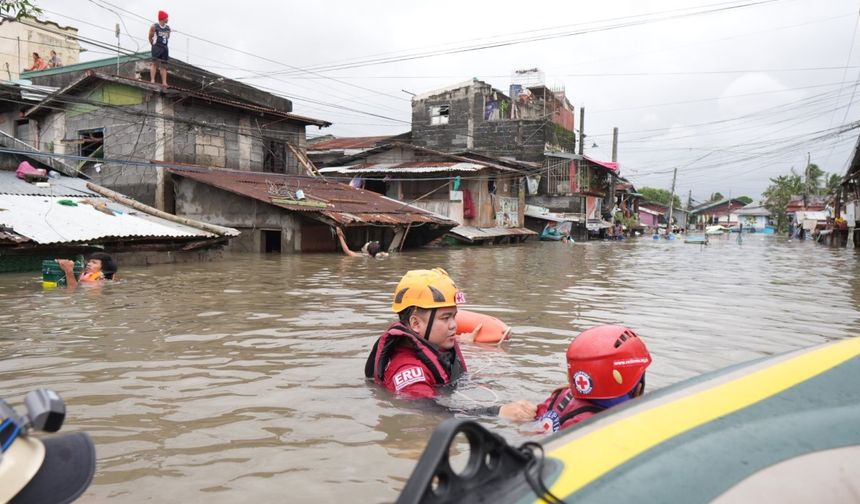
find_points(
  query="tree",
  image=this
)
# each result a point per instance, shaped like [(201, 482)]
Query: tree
[(779, 193), (717, 196), (813, 177), (17, 9), (661, 196), (834, 180), (745, 199)]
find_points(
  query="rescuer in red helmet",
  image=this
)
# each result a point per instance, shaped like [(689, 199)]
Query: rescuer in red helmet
[(605, 367)]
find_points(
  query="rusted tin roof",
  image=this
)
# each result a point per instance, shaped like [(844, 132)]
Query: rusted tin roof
[(476, 234), (428, 155), (91, 76), (406, 167), (313, 195), (346, 143)]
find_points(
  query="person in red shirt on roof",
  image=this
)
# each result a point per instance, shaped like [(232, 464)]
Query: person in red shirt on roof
[(420, 352), (605, 367)]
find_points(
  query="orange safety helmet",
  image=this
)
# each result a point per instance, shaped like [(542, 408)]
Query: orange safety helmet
[(606, 362), (426, 289)]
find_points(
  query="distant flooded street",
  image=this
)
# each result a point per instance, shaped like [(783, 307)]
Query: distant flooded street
[(242, 380)]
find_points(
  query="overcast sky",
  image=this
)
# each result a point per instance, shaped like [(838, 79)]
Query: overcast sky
[(731, 93)]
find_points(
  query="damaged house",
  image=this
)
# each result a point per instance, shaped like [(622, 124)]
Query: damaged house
[(484, 195), (294, 213), (530, 123), (68, 215), (208, 147), (122, 131)]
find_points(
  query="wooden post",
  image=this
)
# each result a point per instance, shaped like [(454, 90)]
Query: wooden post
[(581, 129), (615, 145), (119, 198), (671, 203)]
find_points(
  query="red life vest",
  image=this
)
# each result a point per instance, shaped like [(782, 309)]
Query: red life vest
[(562, 410), (446, 366)]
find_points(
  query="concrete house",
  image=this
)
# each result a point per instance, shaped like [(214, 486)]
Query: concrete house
[(531, 122), (20, 38), (108, 110), (280, 213), (474, 116), (484, 195)]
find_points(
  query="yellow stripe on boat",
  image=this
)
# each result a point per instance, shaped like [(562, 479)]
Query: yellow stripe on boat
[(590, 456)]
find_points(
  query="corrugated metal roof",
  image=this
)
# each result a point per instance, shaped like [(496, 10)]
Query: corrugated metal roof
[(471, 233), (44, 220), (340, 202), (10, 236), (406, 167), (536, 212), (754, 211), (347, 143), (91, 75), (64, 186)]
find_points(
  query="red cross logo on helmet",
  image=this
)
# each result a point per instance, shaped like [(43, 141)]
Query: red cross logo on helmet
[(582, 382)]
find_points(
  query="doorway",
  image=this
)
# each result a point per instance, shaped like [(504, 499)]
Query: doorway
[(270, 241)]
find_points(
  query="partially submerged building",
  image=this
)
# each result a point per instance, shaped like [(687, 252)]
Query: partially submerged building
[(483, 195), (849, 198), (722, 212), (755, 219), (124, 131), (69, 215), (292, 213), (578, 185)]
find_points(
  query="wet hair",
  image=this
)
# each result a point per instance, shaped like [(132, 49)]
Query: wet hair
[(374, 248), (108, 264)]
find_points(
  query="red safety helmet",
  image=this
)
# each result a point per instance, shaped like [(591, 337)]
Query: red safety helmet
[(606, 362)]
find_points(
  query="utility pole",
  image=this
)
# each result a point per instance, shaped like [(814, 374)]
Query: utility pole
[(116, 32), (806, 180), (615, 144), (671, 203), (689, 206), (581, 129)]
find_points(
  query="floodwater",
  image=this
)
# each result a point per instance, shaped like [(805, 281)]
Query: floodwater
[(242, 380)]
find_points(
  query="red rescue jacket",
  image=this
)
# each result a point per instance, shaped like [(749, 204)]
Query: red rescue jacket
[(561, 410), (406, 363)]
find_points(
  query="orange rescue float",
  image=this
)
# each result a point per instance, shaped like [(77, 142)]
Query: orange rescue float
[(493, 330)]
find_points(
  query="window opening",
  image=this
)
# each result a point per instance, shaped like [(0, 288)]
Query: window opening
[(91, 145), (439, 114), (274, 155)]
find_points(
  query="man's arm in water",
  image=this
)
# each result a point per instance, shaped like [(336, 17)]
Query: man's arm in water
[(411, 382), (68, 268)]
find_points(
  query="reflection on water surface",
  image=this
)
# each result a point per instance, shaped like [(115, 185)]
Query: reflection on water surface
[(243, 379)]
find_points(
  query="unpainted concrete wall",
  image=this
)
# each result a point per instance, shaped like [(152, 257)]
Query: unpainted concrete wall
[(210, 204), (154, 128), (467, 128)]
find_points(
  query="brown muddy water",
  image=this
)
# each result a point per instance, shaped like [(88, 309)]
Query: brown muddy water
[(242, 380)]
